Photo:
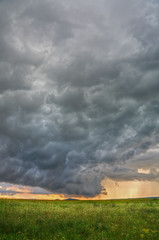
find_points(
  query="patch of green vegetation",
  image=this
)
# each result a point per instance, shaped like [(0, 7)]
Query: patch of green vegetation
[(79, 220)]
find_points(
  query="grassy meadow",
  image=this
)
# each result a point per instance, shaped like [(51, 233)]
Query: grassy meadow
[(71, 220)]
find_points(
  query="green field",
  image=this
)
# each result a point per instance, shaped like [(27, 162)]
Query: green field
[(71, 220)]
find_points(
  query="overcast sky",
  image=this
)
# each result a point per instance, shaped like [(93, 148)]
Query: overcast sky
[(79, 93)]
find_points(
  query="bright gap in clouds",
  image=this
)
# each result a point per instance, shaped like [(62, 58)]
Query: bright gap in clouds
[(131, 189), (115, 190)]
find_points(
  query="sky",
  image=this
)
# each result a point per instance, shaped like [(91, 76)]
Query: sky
[(79, 98)]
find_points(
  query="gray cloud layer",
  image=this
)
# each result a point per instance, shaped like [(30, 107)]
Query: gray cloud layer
[(79, 92)]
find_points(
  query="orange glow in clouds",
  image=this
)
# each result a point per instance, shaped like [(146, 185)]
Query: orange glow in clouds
[(131, 189), (115, 190)]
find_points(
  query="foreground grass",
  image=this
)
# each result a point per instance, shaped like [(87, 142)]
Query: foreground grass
[(71, 220)]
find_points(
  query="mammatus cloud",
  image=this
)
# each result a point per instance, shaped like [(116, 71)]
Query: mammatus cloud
[(78, 93)]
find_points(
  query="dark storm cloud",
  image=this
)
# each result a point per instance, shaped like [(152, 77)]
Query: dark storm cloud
[(79, 88)]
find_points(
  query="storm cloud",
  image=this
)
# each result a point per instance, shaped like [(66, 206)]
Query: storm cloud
[(79, 93)]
